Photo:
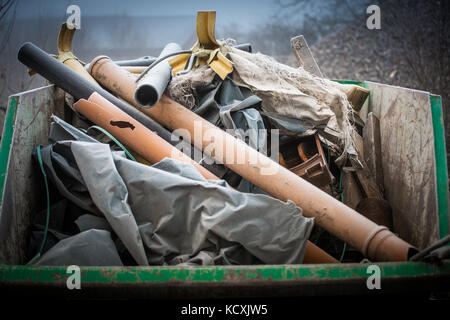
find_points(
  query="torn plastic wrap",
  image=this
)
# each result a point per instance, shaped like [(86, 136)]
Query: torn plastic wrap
[(179, 217), (227, 106), (213, 99)]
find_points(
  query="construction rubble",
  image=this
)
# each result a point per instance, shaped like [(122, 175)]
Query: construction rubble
[(212, 155)]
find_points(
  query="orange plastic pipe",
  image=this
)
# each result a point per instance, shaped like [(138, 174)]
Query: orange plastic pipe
[(132, 133), (153, 148), (374, 241)]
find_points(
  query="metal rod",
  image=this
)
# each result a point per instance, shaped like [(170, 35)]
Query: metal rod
[(140, 62), (160, 59)]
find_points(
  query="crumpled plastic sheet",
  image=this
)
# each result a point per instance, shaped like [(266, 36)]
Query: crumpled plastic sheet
[(168, 214), (89, 248), (226, 105)]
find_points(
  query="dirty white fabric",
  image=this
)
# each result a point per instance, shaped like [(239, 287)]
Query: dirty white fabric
[(295, 93)]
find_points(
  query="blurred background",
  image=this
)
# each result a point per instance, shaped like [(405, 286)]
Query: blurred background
[(412, 48)]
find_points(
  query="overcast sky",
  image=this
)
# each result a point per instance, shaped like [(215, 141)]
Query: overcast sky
[(239, 12)]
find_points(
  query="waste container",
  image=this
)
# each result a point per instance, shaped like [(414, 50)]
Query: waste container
[(416, 185)]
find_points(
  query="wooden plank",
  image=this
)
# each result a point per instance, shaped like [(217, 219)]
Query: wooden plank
[(408, 160), (304, 56), (352, 194), (372, 148), (367, 181), (365, 176), (24, 191)]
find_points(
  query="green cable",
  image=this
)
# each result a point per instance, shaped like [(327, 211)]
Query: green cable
[(342, 200), (328, 151), (343, 252), (41, 164), (113, 139), (329, 165), (44, 240)]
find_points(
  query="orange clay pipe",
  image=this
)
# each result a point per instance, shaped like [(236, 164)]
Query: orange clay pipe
[(153, 148), (132, 133), (375, 242)]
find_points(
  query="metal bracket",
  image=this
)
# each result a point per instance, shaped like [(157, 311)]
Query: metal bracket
[(208, 50), (65, 55), (304, 56), (206, 21)]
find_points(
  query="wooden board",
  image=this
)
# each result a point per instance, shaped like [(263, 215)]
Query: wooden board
[(304, 56), (408, 160), (24, 187), (352, 194), (372, 148)]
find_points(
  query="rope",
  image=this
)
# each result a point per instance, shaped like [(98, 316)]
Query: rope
[(342, 200)]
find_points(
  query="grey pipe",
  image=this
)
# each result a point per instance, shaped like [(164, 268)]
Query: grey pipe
[(152, 86), (140, 62)]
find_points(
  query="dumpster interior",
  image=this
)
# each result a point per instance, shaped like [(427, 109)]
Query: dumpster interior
[(214, 155)]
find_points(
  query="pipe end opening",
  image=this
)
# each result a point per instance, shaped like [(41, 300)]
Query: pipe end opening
[(146, 96)]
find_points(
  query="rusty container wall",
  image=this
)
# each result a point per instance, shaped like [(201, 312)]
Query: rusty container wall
[(405, 117)]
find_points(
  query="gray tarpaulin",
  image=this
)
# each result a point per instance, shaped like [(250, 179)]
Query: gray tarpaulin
[(169, 214), (227, 106), (88, 221), (89, 248), (221, 102)]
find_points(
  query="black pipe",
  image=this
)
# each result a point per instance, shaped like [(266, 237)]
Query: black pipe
[(78, 86)]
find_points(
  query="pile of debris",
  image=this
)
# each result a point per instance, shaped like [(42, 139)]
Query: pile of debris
[(166, 161)]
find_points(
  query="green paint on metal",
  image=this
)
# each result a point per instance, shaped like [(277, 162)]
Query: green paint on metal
[(5, 146), (441, 164), (358, 83), (217, 274), (273, 273)]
